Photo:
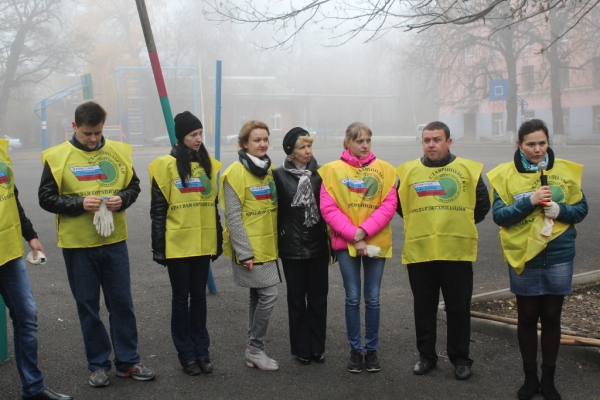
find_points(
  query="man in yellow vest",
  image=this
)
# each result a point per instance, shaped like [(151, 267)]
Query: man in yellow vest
[(15, 288), (89, 182), (441, 198)]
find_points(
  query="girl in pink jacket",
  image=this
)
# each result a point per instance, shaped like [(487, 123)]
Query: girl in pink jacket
[(358, 201)]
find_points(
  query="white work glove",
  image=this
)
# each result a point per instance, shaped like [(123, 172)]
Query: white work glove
[(551, 209), (373, 251), (103, 220), (41, 258), (547, 228)]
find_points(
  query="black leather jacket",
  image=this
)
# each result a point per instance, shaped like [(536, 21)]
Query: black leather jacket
[(158, 215), (296, 240), (26, 226), (52, 201)]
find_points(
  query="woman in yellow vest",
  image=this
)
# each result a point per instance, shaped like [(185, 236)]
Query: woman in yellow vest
[(536, 200), (358, 201), (186, 235), (250, 234)]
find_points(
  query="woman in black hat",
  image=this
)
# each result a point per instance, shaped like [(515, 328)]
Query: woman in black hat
[(303, 247), (186, 235)]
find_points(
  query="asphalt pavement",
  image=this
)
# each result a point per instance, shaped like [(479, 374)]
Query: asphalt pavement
[(497, 364)]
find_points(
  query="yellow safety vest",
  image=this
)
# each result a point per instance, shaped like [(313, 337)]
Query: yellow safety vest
[(522, 241), (191, 220), (79, 173), (438, 207), (358, 192), (258, 197), (11, 242)]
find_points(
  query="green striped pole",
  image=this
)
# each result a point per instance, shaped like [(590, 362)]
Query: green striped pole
[(3, 332)]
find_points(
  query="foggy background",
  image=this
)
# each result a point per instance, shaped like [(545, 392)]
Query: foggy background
[(319, 79)]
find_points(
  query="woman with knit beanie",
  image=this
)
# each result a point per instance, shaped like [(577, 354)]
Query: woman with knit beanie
[(186, 235)]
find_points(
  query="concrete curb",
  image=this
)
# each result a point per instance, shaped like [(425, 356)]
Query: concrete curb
[(588, 355)]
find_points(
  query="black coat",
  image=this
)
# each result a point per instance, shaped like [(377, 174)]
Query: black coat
[(296, 240)]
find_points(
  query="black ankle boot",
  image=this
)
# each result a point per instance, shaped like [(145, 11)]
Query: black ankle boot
[(531, 384), (547, 385)]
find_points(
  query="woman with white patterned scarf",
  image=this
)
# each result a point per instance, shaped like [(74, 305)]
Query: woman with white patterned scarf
[(303, 247)]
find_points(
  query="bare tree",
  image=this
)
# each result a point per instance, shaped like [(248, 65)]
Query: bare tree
[(34, 43), (346, 18), (465, 58)]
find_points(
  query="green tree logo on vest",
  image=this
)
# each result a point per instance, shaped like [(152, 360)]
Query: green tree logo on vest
[(558, 194), (451, 185), (110, 171), (5, 175), (273, 191)]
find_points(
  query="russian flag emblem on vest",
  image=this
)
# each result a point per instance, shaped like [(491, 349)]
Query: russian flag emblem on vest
[(261, 192), (193, 185), (355, 185), (91, 173), (429, 189)]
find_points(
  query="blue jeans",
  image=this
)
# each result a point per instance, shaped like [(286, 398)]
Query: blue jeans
[(373, 272), (188, 307), (106, 267), (16, 292)]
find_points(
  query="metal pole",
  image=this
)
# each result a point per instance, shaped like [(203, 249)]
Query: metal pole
[(218, 113), (212, 287), (3, 332), (155, 63), (44, 126)]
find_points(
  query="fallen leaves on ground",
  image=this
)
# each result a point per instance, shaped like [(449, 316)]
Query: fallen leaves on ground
[(581, 309)]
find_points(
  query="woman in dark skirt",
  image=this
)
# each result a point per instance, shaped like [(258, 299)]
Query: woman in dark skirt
[(303, 247), (537, 199)]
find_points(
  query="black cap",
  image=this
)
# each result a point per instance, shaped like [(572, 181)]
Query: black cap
[(290, 139), (185, 123)]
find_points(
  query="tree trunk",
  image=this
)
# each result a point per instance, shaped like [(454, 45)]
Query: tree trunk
[(558, 127), (12, 63), (512, 104)]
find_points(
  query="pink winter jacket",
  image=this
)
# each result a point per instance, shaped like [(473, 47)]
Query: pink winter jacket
[(342, 229)]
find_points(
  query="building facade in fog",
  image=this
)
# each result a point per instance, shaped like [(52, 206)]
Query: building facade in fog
[(465, 102)]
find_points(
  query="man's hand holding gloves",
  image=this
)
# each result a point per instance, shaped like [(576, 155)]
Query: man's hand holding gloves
[(103, 220)]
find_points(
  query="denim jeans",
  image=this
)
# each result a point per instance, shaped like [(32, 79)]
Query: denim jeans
[(188, 307), (16, 292), (107, 268), (373, 272)]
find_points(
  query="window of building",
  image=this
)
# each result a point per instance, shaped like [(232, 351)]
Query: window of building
[(596, 121), (276, 122), (497, 124), (469, 51), (528, 116), (527, 78), (567, 120)]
